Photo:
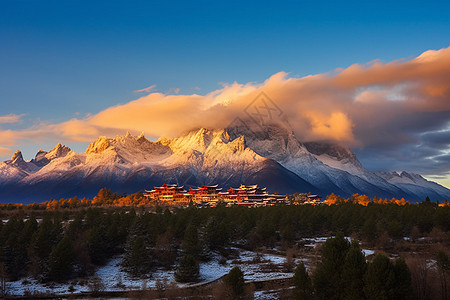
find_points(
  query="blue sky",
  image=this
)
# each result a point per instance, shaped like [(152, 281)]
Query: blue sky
[(70, 59)]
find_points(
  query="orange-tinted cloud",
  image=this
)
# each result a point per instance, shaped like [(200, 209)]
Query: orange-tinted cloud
[(373, 106), (10, 118), (5, 151)]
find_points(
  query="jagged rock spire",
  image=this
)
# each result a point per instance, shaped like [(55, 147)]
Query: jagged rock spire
[(17, 156), (141, 135), (99, 145)]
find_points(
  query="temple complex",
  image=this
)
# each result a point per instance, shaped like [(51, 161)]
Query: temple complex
[(211, 195)]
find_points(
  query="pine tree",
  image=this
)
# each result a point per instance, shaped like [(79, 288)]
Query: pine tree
[(302, 283), (380, 279), (14, 253), (137, 259), (353, 273), (402, 287), (328, 275), (369, 230), (61, 260), (188, 269), (216, 235), (191, 244), (94, 239), (235, 281)]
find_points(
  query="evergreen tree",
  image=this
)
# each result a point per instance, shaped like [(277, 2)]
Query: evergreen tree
[(14, 252), (61, 260), (216, 234), (380, 279), (191, 244), (353, 273), (235, 281), (46, 237), (302, 283), (97, 248), (402, 285), (328, 275), (137, 259), (188, 269)]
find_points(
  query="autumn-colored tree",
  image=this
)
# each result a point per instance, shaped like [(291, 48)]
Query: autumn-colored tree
[(334, 199), (360, 199)]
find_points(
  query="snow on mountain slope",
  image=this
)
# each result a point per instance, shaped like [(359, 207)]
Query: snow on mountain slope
[(129, 164), (330, 167), (271, 156), (277, 141), (214, 157), (416, 184), (343, 159), (15, 169), (336, 157)]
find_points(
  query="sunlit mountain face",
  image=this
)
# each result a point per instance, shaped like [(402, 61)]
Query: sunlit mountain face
[(269, 156)]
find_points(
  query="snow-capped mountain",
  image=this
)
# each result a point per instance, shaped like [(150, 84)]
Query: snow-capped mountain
[(330, 167), (271, 157), (129, 164)]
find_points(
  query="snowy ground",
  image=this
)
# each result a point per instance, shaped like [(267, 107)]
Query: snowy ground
[(313, 242), (254, 266)]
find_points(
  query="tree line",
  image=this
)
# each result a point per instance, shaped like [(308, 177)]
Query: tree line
[(61, 244), (105, 197)]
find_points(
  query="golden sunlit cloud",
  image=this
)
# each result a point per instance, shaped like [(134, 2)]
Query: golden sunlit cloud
[(355, 106), (5, 151), (337, 126), (11, 118)]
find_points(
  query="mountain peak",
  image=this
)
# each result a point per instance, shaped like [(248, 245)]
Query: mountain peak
[(17, 160), (17, 156), (128, 134), (40, 160), (273, 157), (40, 155), (98, 146), (58, 151)]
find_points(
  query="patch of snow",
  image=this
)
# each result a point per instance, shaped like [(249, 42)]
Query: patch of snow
[(113, 278), (368, 252)]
